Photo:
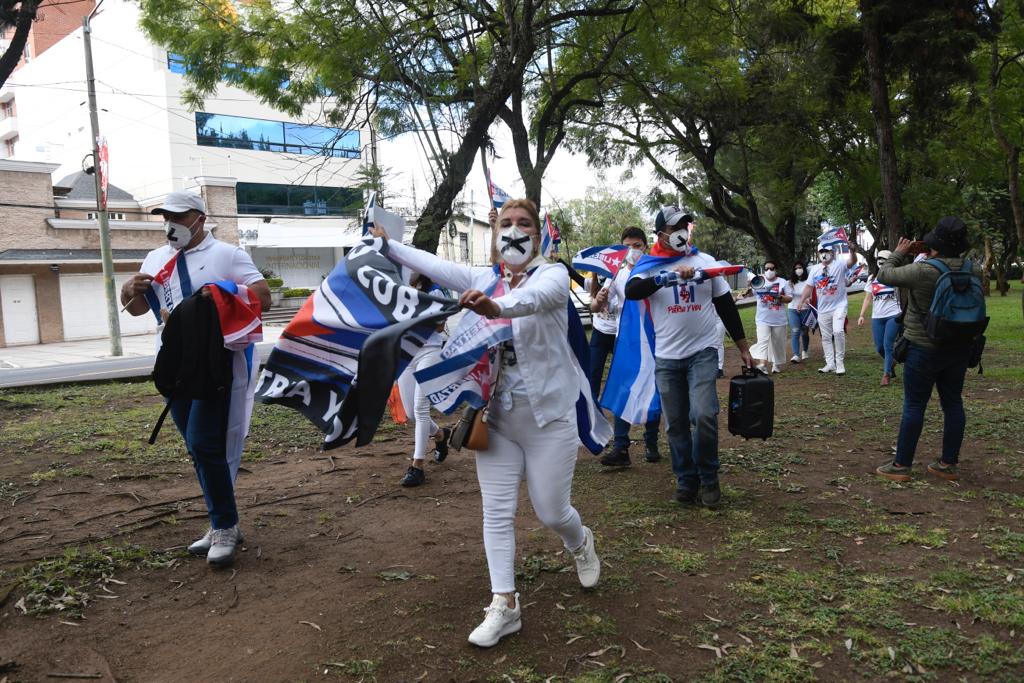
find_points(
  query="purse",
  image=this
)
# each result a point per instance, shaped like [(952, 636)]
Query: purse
[(471, 430)]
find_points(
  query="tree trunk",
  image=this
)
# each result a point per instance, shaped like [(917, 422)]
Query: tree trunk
[(986, 266), (879, 88), (22, 25)]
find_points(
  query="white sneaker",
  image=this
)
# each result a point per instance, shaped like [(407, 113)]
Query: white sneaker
[(202, 546), (805, 355), (761, 367), (840, 369), (588, 565), (222, 546), (775, 370), (827, 368), (794, 359), (501, 620)]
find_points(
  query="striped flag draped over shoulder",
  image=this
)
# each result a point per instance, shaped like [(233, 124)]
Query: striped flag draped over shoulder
[(630, 391), (315, 363)]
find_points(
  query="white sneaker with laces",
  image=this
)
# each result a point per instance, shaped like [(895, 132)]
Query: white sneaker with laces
[(588, 565), (827, 368), (805, 355), (500, 621), (202, 546), (794, 359), (222, 546)]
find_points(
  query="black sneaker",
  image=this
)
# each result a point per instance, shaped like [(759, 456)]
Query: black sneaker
[(711, 495), (441, 447), (721, 373), (414, 476), (618, 457), (686, 496), (651, 453)]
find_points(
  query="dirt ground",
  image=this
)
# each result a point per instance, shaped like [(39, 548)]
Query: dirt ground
[(813, 569)]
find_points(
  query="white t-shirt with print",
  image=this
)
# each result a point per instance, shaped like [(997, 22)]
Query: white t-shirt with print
[(771, 310), (685, 319), (829, 281), (798, 291), (885, 300), (607, 321)]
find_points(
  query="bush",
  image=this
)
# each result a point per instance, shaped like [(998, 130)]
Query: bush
[(273, 282), (299, 291)]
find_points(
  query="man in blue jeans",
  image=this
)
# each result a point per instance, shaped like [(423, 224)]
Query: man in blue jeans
[(684, 314), (606, 305), (928, 365)]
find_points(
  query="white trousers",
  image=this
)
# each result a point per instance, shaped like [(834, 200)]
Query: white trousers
[(832, 325), (771, 344), (419, 410), (547, 458)]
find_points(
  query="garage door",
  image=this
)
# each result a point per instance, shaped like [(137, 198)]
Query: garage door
[(18, 298), (84, 308)]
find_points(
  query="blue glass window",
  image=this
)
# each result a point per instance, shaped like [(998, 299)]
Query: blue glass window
[(297, 200), (236, 132)]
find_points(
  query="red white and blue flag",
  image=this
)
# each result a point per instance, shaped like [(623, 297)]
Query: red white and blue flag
[(498, 195), (833, 238), (550, 238), (604, 261), (171, 284), (238, 309)]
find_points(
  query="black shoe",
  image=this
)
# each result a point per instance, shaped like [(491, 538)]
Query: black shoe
[(721, 374), (711, 495), (441, 447), (686, 496), (651, 454), (414, 476), (618, 457)]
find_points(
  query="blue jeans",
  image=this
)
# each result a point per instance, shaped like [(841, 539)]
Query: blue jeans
[(797, 331), (203, 424), (689, 395), (923, 369), (884, 330), (601, 346)]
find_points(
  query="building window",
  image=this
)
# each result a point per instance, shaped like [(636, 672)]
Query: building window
[(6, 110), (297, 200), (236, 132), (464, 247), (111, 215), (9, 144), (176, 64)]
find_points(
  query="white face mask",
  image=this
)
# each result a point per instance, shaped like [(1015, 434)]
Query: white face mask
[(678, 240), (178, 235), (799, 272), (769, 274), (633, 255), (825, 256), (515, 246)]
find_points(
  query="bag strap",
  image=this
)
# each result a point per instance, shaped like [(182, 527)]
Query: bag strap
[(938, 265), (160, 422)]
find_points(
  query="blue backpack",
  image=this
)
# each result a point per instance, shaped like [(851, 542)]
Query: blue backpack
[(957, 314)]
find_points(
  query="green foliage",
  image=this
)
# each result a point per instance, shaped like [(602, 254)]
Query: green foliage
[(302, 292), (274, 282), (598, 218)]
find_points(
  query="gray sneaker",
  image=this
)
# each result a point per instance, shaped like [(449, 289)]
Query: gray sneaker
[(222, 547), (202, 546)]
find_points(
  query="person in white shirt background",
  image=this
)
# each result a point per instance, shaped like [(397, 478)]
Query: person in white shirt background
[(799, 334), (531, 418), (829, 280), (607, 307), (770, 318), (684, 314), (885, 313), (214, 430)]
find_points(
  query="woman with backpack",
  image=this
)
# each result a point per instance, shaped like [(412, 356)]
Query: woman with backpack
[(885, 313), (945, 316)]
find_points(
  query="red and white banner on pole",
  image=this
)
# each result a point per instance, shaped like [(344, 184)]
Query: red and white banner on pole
[(103, 168)]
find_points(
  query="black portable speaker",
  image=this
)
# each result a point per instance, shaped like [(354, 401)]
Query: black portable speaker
[(751, 405)]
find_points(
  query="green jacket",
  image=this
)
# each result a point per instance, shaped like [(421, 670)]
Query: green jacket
[(918, 280)]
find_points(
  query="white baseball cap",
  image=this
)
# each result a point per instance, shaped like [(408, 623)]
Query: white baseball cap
[(180, 202), (883, 255)]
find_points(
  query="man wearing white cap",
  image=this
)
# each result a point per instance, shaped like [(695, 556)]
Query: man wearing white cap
[(829, 280), (214, 430)]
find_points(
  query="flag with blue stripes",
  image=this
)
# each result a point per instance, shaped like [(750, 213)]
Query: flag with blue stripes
[(498, 195), (550, 238), (630, 391), (605, 261), (835, 237), (314, 364)]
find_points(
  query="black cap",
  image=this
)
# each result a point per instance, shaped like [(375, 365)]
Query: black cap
[(948, 237), (671, 216)]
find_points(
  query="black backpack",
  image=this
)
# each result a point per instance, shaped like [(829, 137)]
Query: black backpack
[(192, 361)]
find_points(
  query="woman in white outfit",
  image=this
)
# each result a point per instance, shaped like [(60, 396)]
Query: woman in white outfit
[(531, 416), (770, 319)]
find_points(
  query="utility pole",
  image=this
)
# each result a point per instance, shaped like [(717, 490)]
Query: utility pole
[(106, 254)]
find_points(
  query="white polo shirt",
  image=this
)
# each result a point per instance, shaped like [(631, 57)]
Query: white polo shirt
[(685, 320), (209, 261)]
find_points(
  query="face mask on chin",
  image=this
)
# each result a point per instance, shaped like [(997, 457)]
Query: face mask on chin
[(678, 240), (178, 235), (515, 246)]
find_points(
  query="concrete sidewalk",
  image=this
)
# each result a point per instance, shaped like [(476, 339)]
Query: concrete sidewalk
[(76, 352)]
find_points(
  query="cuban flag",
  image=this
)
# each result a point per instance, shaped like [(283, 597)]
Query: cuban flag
[(498, 195), (630, 391), (368, 216), (604, 261), (881, 291), (238, 310), (466, 370), (833, 238), (170, 285), (314, 365), (550, 238)]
